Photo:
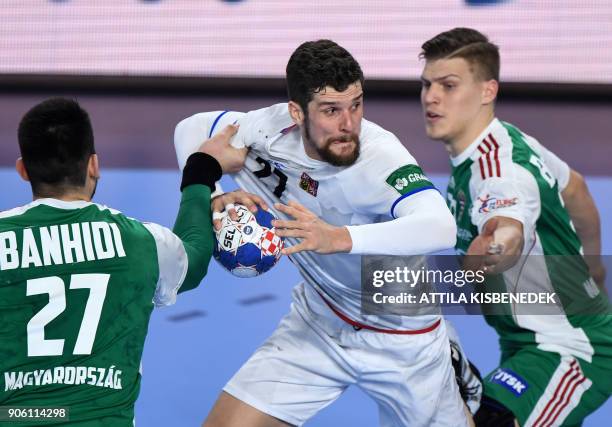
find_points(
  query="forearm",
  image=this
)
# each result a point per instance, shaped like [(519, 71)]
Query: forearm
[(583, 213), (585, 217), (194, 227), (497, 247), (426, 227), (509, 235), (509, 238), (193, 223)]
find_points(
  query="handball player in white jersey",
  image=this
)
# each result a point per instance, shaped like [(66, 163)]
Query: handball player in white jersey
[(342, 187)]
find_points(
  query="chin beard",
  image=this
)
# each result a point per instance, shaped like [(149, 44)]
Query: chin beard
[(325, 151), (340, 160)]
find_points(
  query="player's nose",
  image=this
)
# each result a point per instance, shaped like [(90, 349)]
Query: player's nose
[(431, 95), (347, 122)]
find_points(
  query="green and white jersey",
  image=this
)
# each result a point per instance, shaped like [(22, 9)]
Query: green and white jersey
[(505, 172), (78, 282)]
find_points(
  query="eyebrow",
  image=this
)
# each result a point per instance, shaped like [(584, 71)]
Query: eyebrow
[(437, 79), (325, 103)]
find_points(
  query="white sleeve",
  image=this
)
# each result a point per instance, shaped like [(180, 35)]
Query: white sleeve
[(191, 132), (172, 261), (423, 225), (558, 167), (516, 196)]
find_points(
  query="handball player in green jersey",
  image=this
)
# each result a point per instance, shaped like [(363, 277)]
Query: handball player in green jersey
[(78, 280), (513, 200)]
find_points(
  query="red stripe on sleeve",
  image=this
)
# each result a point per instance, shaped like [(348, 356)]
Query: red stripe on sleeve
[(481, 164), (496, 145)]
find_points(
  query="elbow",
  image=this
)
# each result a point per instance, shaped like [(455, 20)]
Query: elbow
[(196, 274), (205, 257), (581, 187), (443, 230), (449, 231), (199, 260), (443, 233), (575, 188), (578, 177)]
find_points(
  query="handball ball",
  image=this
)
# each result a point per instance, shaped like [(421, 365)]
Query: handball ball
[(249, 246)]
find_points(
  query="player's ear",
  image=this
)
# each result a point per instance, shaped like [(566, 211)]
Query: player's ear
[(21, 170), (489, 91), (296, 113), (93, 167)]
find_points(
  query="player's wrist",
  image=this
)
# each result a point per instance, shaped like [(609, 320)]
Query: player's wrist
[(341, 240), (201, 168)]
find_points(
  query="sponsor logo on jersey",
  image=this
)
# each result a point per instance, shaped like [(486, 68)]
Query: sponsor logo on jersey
[(464, 234), (461, 199), (400, 183), (489, 204), (407, 179), (510, 380), (308, 184)]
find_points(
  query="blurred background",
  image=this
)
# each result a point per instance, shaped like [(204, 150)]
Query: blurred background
[(140, 66)]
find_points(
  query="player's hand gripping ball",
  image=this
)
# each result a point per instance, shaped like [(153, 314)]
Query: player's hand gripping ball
[(249, 246)]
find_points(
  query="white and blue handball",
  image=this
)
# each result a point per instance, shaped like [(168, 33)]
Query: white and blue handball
[(249, 246)]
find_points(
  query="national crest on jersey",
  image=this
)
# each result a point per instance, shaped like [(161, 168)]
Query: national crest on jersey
[(308, 184)]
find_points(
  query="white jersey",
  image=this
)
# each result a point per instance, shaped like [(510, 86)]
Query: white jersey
[(278, 169)]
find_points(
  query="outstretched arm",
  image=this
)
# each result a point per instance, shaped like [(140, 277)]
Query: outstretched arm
[(424, 225), (193, 223)]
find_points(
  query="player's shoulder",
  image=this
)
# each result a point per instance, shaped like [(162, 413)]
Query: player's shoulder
[(81, 214), (125, 223), (45, 206), (373, 132), (500, 149), (385, 168), (10, 215), (522, 144), (379, 143), (270, 120)]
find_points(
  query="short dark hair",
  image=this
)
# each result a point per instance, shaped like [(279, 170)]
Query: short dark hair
[(56, 140), (466, 43), (317, 64)]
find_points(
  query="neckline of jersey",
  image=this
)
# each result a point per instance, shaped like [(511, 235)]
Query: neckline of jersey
[(467, 153)]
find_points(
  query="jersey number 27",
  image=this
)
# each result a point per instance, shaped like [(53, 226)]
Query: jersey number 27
[(38, 345)]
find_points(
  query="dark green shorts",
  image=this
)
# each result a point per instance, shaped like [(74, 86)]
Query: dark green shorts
[(542, 388)]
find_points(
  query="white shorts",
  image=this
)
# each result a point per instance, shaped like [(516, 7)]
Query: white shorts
[(313, 356)]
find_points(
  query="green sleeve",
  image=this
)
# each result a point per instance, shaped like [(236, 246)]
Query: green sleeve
[(194, 227)]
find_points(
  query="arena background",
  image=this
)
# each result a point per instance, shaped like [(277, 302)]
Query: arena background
[(139, 67)]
